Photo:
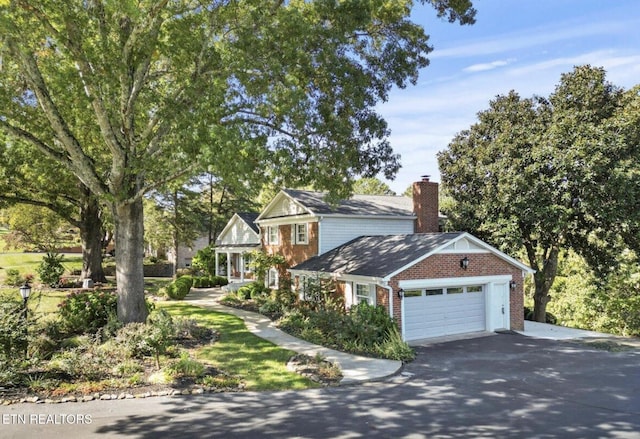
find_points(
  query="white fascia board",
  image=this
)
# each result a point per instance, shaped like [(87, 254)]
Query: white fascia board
[(452, 281), (293, 219), (496, 252), (237, 249), (337, 276), (277, 198), (385, 217)]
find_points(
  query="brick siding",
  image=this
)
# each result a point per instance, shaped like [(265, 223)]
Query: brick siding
[(448, 265)]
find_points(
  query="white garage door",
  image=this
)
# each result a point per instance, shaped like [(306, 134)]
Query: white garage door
[(433, 312)]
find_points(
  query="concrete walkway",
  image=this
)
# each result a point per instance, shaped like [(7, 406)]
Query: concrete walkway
[(355, 368), (555, 332)]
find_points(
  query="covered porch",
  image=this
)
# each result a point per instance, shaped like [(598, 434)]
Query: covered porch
[(233, 262)]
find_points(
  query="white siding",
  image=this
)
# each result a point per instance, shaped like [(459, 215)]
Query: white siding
[(284, 207), (239, 233), (336, 231)]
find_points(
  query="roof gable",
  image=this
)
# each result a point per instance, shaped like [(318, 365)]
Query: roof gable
[(241, 229)]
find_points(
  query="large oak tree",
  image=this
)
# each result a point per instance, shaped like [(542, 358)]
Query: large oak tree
[(550, 174), (131, 94)]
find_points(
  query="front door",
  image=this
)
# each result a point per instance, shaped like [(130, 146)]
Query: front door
[(499, 306)]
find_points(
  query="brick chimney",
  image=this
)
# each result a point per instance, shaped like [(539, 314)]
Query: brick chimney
[(425, 206)]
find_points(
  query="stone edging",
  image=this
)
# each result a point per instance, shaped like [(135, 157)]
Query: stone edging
[(118, 396)]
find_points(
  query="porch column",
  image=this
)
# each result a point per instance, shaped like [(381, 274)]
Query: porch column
[(229, 273), (241, 267), (217, 264)]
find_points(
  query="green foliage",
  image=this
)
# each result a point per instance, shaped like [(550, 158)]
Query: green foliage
[(131, 117), (87, 311), (186, 367), (205, 261), (209, 281), (320, 294), (87, 362), (153, 338), (13, 332), (50, 269), (13, 278), (371, 186), (252, 291), (550, 174), (582, 300), (179, 288), (261, 263)]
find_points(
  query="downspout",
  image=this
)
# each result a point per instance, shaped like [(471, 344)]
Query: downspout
[(388, 287)]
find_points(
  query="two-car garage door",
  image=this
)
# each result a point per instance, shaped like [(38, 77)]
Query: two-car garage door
[(437, 311)]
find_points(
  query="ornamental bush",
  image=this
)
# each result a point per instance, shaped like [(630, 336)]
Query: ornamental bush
[(179, 288), (50, 269), (13, 337), (14, 278), (87, 311)]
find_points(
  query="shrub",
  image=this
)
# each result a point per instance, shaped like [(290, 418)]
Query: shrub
[(179, 288), (50, 269), (252, 291), (219, 281), (85, 363), (205, 261), (14, 278), (186, 367), (160, 333), (13, 337), (148, 339), (185, 272), (271, 308), (87, 311), (394, 348)]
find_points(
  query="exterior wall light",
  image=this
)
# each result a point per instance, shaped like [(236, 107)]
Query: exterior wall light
[(401, 293), (512, 284), (464, 263)]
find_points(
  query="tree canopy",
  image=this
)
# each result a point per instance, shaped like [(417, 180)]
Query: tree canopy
[(129, 95), (548, 174)]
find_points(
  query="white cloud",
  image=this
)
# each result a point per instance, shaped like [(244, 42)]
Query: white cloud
[(488, 66)]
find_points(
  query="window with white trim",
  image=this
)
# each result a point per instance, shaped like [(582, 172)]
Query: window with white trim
[(272, 279), (299, 234), (272, 235), (365, 293)]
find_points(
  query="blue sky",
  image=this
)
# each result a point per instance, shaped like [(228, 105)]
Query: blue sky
[(521, 45)]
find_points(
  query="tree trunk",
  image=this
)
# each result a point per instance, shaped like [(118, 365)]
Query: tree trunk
[(174, 233), (91, 237), (129, 240), (543, 279)]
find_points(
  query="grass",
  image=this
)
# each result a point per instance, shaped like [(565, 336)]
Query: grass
[(27, 263), (40, 303), (257, 362)]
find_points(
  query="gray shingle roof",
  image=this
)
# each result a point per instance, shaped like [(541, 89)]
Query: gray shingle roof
[(250, 218), (376, 256), (387, 205)]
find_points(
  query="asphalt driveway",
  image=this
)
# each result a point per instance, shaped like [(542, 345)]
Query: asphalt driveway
[(502, 386)]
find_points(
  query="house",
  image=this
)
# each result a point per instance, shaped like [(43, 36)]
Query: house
[(184, 255), (390, 251), (237, 240), (433, 284)]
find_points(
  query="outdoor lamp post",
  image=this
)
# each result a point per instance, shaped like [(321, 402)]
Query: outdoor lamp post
[(25, 291)]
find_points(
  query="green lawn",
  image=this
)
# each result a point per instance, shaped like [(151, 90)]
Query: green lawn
[(27, 263), (259, 363)]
